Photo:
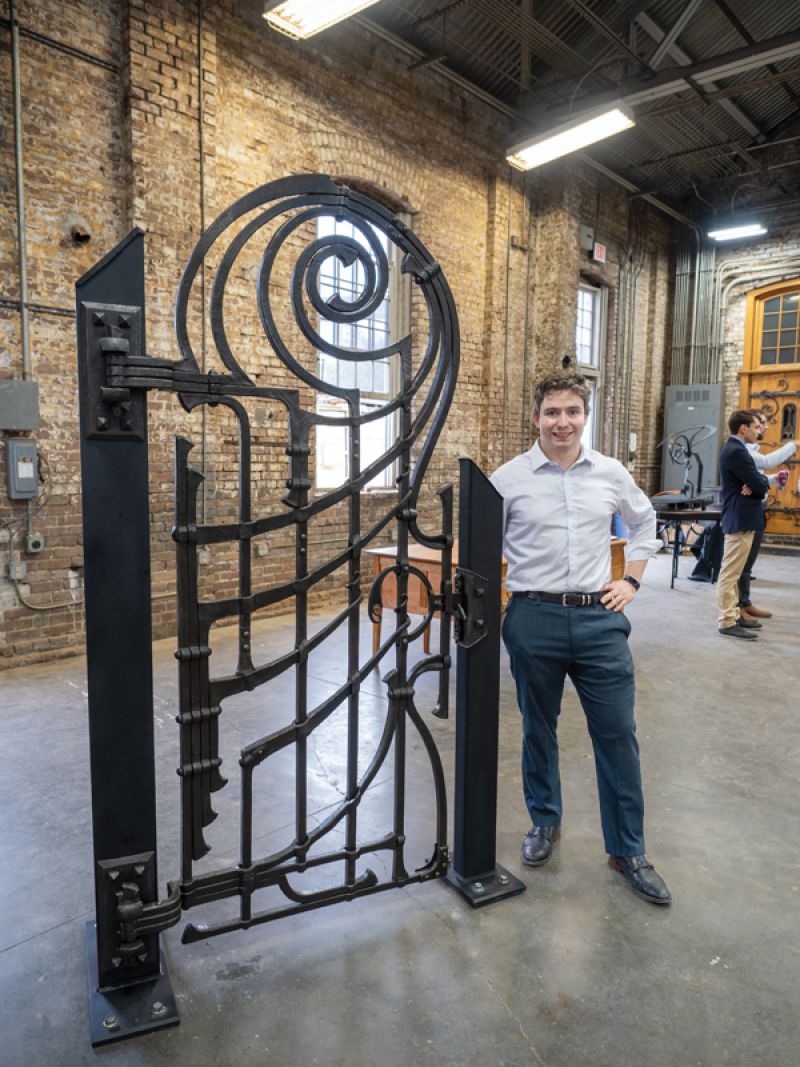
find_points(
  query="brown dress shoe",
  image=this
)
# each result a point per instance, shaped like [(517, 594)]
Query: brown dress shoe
[(752, 612)]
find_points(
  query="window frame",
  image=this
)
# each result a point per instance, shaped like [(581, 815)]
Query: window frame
[(594, 372)]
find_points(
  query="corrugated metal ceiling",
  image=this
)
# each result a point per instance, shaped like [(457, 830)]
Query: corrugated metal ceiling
[(697, 144)]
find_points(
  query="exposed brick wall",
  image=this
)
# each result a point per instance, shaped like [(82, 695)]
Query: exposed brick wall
[(132, 145)]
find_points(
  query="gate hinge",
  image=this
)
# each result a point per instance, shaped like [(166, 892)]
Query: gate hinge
[(468, 607), (110, 335)]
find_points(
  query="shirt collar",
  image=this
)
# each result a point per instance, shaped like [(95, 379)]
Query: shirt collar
[(538, 459)]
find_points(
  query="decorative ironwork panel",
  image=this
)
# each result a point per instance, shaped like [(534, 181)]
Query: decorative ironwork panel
[(279, 218)]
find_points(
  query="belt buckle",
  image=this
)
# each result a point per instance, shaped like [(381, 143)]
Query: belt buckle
[(573, 600)]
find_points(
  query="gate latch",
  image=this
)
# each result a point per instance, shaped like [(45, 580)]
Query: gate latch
[(469, 607)]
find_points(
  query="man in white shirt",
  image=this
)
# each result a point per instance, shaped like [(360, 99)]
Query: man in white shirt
[(763, 462), (565, 617)]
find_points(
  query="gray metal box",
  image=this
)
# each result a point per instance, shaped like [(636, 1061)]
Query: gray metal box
[(22, 468), (19, 405), (685, 407)]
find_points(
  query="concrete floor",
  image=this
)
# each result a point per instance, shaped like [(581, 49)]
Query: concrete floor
[(576, 971)]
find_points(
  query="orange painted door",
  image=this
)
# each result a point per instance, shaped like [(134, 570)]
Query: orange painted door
[(770, 381)]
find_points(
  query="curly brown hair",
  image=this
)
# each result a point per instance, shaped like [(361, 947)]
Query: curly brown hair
[(556, 383)]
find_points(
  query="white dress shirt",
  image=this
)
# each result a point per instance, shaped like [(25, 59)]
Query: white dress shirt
[(557, 523), (764, 460)]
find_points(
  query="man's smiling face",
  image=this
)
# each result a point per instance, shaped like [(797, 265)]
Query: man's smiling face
[(560, 423)]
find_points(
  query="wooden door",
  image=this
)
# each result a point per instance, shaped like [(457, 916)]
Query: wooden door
[(770, 380)]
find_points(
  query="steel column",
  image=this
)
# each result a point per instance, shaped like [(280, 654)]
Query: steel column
[(129, 989), (475, 873)]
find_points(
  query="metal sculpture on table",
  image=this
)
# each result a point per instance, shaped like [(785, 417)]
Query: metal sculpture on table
[(128, 984), (682, 448)]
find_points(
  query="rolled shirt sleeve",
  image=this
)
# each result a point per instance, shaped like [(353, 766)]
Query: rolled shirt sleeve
[(765, 460)]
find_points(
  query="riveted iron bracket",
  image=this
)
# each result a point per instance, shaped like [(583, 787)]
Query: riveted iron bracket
[(129, 986), (123, 887), (127, 1010), (468, 607), (111, 333)]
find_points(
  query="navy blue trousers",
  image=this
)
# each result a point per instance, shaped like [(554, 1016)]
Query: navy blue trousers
[(547, 643)]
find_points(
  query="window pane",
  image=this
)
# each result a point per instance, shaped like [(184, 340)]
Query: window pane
[(375, 440), (788, 320), (769, 355), (772, 305), (770, 339), (787, 355), (364, 376), (587, 327), (381, 378), (327, 368), (788, 337), (771, 321), (347, 374)]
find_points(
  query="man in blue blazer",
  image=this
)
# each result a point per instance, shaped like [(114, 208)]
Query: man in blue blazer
[(743, 492)]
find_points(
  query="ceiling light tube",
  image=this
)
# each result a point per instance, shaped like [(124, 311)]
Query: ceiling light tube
[(303, 18), (570, 136), (735, 230)]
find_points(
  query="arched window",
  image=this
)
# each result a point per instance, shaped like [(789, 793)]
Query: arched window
[(780, 330)]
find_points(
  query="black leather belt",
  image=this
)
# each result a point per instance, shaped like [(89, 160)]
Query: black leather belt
[(566, 600)]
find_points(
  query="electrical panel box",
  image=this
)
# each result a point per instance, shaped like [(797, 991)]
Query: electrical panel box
[(688, 407), (19, 405), (22, 468)]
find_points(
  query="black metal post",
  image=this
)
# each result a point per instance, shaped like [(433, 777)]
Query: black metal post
[(474, 872), (129, 988)]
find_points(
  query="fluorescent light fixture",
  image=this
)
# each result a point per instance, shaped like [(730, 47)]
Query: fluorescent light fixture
[(735, 230), (303, 18), (578, 132)]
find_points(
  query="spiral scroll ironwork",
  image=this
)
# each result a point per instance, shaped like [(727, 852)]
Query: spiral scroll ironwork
[(281, 215)]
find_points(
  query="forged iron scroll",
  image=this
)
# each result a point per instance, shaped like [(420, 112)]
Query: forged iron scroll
[(281, 215)]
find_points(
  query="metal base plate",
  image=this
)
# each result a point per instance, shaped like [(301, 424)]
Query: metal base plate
[(118, 1013), (497, 885)]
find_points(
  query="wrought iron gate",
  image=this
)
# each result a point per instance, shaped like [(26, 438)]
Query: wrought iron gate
[(128, 983)]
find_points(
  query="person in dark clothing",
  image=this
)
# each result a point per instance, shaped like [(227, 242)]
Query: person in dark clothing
[(742, 518)]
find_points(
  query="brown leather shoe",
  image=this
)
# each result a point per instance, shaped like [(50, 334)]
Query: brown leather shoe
[(752, 612), (537, 848)]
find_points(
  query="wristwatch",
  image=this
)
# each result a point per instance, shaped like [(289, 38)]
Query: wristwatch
[(632, 581)]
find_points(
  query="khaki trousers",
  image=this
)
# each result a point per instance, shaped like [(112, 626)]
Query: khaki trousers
[(737, 549)]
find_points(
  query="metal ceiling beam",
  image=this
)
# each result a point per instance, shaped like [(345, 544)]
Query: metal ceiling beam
[(678, 53), (679, 79), (634, 190), (436, 64), (745, 34), (601, 27), (671, 36), (686, 103), (498, 105)]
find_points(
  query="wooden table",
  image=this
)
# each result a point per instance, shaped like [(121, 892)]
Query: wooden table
[(429, 562)]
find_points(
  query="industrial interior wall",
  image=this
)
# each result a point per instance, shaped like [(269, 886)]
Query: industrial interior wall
[(739, 270), (159, 115)]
